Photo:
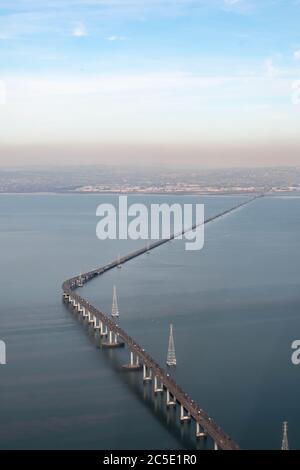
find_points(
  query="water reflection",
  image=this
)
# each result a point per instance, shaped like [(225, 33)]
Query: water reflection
[(169, 417)]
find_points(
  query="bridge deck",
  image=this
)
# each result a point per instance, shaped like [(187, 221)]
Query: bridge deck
[(221, 439)]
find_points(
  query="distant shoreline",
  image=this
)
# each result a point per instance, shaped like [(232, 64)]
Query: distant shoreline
[(137, 193)]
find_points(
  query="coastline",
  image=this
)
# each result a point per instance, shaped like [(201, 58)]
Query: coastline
[(141, 193)]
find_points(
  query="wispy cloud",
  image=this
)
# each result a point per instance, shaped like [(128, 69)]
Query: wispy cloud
[(270, 68), (28, 17), (186, 69), (171, 85), (117, 38), (297, 55), (232, 2), (79, 30), (145, 106)]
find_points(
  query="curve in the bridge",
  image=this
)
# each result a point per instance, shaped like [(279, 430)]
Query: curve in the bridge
[(189, 408)]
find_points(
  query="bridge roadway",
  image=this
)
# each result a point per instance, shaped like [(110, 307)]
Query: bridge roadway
[(221, 440)]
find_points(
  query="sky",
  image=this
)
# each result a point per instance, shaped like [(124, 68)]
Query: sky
[(183, 82)]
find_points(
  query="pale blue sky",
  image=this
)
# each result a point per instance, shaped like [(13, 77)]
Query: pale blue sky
[(191, 76)]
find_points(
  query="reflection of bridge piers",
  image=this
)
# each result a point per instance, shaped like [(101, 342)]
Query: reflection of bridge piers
[(113, 337), (116, 337)]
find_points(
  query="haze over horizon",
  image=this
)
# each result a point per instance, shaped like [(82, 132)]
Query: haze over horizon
[(205, 83)]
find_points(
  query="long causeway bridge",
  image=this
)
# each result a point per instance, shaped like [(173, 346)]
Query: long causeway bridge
[(114, 337)]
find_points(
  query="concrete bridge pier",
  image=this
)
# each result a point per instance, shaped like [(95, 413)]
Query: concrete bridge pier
[(183, 415), (103, 329), (93, 321), (199, 431), (115, 337), (171, 401), (83, 312), (147, 375), (134, 363), (112, 341), (112, 337), (90, 318), (158, 388)]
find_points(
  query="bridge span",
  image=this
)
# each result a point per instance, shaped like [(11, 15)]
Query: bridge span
[(113, 336)]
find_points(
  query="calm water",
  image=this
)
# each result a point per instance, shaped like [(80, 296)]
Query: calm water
[(235, 307)]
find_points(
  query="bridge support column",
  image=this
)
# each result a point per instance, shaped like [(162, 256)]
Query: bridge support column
[(216, 446), (134, 363), (103, 329), (147, 377), (160, 388), (131, 359), (85, 313), (110, 337), (90, 318), (199, 432), (170, 401), (183, 415), (113, 341)]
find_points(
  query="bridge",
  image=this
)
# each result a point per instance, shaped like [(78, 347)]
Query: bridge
[(113, 336)]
